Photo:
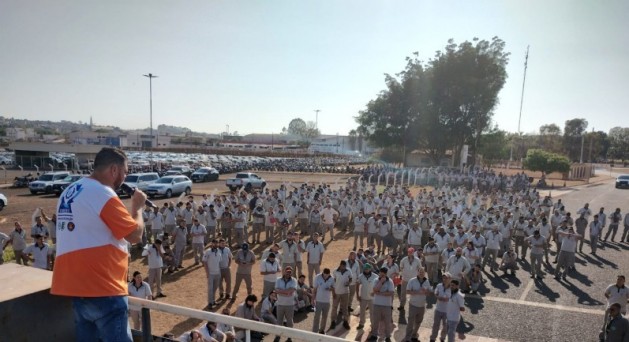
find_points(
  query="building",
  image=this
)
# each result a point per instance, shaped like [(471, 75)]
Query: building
[(16, 133), (30, 155), (340, 144)]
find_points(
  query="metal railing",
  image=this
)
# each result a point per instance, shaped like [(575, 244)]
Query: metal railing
[(236, 322)]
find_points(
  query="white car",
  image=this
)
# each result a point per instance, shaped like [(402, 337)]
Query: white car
[(170, 185), (3, 201)]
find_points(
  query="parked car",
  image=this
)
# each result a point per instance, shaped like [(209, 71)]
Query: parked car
[(60, 185), (246, 180), (23, 181), (45, 181), (170, 185), (184, 170), (622, 181), (172, 173), (204, 174), (139, 181), (5, 161), (3, 201)]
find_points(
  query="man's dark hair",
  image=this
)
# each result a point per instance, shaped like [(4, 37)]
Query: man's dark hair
[(108, 156), (136, 273), (251, 298)]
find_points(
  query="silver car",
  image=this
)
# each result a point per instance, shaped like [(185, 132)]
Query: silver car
[(170, 185)]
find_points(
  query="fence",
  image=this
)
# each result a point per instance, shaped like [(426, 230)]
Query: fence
[(236, 322)]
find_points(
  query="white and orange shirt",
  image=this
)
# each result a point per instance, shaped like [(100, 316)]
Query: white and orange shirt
[(91, 251)]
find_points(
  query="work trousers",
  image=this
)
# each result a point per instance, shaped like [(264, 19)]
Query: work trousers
[(226, 276), (239, 278), (320, 317), (415, 318), (536, 264), (213, 282), (155, 277), (490, 254), (313, 270), (365, 304), (285, 314), (381, 315), (440, 319), (341, 299), (197, 250)]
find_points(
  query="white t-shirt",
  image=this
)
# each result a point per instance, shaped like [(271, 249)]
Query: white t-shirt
[(409, 267), (617, 295), (283, 284), (324, 288), (453, 309), (40, 255), (267, 266), (441, 291), (415, 284), (315, 252), (569, 243), (213, 260), (154, 259), (342, 279), (144, 291), (198, 229)]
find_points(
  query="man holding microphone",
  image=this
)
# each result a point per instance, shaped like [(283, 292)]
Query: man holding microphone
[(93, 227)]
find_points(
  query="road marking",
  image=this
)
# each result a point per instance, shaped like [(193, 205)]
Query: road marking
[(539, 305), (528, 288)]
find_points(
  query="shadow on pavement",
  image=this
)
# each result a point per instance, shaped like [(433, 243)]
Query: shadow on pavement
[(475, 304), (582, 297), (501, 282), (545, 291)]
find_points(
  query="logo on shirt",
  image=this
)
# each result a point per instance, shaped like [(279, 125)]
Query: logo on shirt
[(65, 206), (71, 226)]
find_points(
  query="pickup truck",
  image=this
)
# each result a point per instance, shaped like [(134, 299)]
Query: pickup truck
[(45, 181), (246, 180)]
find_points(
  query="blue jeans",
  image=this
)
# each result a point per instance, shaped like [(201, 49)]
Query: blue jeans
[(102, 319)]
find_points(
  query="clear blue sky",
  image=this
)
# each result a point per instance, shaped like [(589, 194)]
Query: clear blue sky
[(255, 65)]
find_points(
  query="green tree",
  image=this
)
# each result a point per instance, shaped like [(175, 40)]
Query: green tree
[(439, 105), (494, 146), (619, 143), (311, 131), (550, 137), (466, 80), (297, 127), (572, 134), (391, 120), (546, 162), (596, 146)]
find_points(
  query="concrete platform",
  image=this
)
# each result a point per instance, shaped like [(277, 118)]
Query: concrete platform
[(28, 311)]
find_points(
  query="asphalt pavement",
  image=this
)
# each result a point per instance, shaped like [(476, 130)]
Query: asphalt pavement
[(525, 309)]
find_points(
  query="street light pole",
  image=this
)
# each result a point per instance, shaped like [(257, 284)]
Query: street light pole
[(526, 64), (582, 141), (317, 118), (151, 77)]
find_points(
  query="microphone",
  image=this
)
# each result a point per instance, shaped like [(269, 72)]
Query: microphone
[(129, 191)]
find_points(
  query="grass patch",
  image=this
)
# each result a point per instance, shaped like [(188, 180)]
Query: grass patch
[(8, 254)]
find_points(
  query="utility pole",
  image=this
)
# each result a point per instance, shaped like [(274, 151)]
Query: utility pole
[(591, 145), (317, 118), (151, 77), (526, 62), (582, 141)]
